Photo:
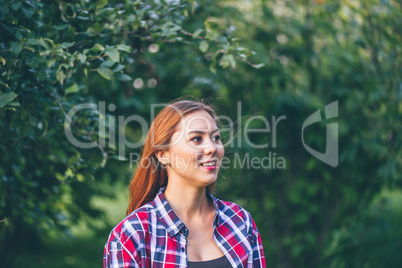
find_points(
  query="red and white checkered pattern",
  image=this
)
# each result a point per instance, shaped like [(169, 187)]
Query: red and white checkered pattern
[(153, 236)]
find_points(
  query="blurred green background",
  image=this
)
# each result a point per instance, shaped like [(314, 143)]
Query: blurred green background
[(58, 202)]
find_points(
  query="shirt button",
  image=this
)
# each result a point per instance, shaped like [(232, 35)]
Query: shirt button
[(182, 249)]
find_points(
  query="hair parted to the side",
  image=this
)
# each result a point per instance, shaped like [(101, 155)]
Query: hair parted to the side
[(150, 174)]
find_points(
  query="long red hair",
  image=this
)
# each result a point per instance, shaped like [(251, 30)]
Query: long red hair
[(150, 174)]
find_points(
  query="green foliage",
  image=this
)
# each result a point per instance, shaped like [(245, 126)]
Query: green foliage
[(315, 54), (55, 55)]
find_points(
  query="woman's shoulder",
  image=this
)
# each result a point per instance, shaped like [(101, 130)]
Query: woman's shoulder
[(233, 215), (134, 224), (230, 209)]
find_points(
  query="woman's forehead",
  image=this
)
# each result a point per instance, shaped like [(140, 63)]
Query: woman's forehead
[(197, 121)]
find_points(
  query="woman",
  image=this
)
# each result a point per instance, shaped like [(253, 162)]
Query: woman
[(173, 219)]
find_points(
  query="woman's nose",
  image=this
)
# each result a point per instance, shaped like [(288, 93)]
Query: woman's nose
[(210, 148)]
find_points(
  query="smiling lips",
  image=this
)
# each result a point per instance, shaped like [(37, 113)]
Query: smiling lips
[(210, 165)]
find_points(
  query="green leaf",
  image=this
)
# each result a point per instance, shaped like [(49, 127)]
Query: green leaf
[(33, 41), (101, 3), (69, 173), (97, 47), (259, 66), (80, 177), (18, 35), (14, 103), (16, 5), (222, 39), (91, 31), (170, 29), (113, 54), (50, 62), (4, 84), (118, 68), (123, 48), (61, 27), (123, 77), (60, 76), (72, 89), (28, 12), (9, 28), (5, 98), (67, 44), (29, 48), (60, 177), (3, 61), (240, 49), (3, 9), (105, 72), (107, 64), (212, 68), (82, 57), (197, 33), (204, 46), (44, 44), (231, 60), (224, 61), (16, 48)]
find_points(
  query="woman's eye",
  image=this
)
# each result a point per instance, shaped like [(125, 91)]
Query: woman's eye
[(217, 138), (196, 139)]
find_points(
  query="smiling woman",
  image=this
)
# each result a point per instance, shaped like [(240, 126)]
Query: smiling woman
[(173, 220)]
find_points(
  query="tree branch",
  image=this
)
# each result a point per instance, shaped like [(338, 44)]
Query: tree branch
[(88, 135)]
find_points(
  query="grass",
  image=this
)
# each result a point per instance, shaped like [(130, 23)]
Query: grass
[(83, 248)]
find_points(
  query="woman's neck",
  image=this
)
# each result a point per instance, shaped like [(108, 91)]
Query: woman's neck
[(188, 202)]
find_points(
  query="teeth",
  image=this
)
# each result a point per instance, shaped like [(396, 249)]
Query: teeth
[(209, 164)]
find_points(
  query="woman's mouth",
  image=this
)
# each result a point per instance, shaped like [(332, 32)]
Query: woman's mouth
[(209, 165)]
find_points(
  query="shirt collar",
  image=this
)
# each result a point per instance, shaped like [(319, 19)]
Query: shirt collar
[(217, 218), (168, 217)]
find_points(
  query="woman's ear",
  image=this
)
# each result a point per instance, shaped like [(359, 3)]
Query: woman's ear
[(163, 157)]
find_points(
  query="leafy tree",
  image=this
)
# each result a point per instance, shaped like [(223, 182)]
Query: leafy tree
[(58, 54), (317, 53), (54, 57)]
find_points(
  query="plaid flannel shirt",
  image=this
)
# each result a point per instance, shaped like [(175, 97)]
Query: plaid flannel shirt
[(154, 236)]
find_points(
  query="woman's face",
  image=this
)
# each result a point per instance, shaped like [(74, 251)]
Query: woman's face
[(195, 150)]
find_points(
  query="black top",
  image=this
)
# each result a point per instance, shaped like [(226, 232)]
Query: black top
[(221, 262)]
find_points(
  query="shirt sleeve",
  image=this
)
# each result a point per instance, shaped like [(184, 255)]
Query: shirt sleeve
[(258, 257), (117, 255)]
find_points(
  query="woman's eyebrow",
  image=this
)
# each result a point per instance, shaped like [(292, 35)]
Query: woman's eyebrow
[(202, 132)]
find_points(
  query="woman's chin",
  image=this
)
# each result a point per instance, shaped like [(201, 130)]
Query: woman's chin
[(209, 179)]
